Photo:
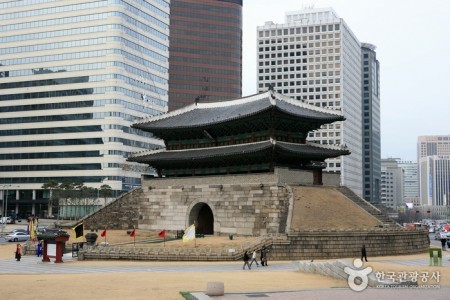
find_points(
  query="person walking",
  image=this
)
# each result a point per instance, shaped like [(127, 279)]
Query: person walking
[(246, 259), (263, 257), (443, 241), (18, 252), (254, 259), (363, 252), (39, 249)]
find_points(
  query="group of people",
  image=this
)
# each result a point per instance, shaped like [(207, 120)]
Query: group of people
[(263, 259)]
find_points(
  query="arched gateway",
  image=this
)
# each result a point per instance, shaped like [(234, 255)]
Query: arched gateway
[(203, 215)]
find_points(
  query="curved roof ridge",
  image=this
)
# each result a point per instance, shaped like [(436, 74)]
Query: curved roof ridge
[(307, 105), (251, 98), (150, 152)]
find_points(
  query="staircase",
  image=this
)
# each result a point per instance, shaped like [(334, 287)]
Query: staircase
[(378, 214)]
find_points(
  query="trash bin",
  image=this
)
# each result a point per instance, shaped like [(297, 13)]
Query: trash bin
[(230, 236), (435, 256)]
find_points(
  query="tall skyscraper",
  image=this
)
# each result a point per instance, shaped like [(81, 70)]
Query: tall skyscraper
[(205, 51), (315, 57), (75, 76), (370, 70), (391, 183)]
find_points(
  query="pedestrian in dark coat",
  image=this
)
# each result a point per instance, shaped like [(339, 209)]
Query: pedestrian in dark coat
[(363, 253), (246, 258)]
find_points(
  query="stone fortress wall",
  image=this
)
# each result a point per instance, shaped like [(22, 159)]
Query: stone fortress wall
[(251, 205)]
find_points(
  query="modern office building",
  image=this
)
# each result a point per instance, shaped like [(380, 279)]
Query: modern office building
[(410, 182), (74, 76), (436, 147), (370, 82), (429, 145), (205, 51), (391, 183), (435, 180), (314, 57)]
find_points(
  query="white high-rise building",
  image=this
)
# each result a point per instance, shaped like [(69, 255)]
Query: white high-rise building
[(435, 180), (432, 155), (74, 75), (391, 183), (315, 57), (410, 182)]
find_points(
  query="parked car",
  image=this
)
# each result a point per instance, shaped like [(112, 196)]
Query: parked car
[(441, 234), (17, 230), (17, 237)]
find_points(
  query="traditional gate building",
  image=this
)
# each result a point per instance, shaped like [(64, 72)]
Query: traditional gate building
[(225, 163)]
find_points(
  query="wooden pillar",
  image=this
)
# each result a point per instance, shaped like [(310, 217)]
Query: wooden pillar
[(317, 174), (45, 257)]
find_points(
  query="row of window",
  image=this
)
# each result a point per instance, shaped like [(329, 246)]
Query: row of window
[(23, 3), (71, 117), (202, 71), (209, 44), (202, 34), (42, 180), (83, 67), (84, 30), (225, 18), (86, 141), (211, 27), (64, 167), (84, 6), (322, 67), (206, 60), (86, 18), (189, 78), (81, 79), (74, 129), (299, 30), (234, 55), (40, 155)]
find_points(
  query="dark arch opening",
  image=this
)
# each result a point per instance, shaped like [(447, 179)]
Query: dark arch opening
[(203, 215)]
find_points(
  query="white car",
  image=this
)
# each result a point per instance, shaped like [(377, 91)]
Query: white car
[(17, 237)]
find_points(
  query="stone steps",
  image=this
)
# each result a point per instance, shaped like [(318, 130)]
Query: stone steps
[(375, 212)]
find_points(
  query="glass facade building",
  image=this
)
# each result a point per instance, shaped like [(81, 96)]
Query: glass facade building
[(73, 77), (314, 57), (370, 83), (205, 51)]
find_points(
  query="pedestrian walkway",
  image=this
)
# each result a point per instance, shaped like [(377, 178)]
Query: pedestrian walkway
[(34, 265)]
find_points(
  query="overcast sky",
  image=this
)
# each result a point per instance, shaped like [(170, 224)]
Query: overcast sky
[(413, 47)]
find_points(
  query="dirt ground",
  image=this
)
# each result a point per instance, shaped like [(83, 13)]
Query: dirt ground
[(167, 285)]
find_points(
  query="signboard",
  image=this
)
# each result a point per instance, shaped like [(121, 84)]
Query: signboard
[(51, 250)]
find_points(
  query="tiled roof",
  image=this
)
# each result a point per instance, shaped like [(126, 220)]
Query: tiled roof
[(202, 114), (308, 151)]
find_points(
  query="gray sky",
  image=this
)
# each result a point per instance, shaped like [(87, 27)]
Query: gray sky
[(413, 47)]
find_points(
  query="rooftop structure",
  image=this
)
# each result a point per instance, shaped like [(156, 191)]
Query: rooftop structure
[(252, 134)]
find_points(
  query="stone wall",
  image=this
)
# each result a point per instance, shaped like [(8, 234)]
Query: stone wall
[(292, 246), (122, 213), (245, 209), (348, 243)]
